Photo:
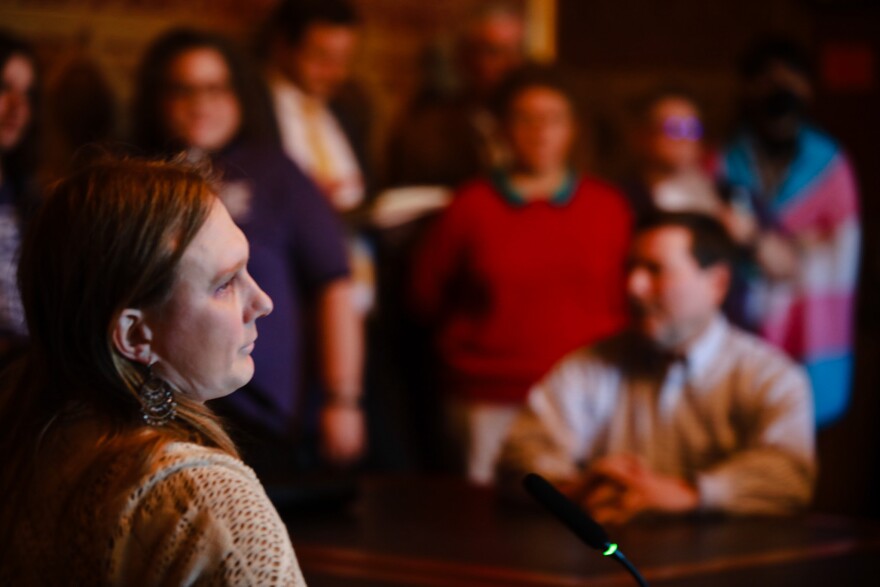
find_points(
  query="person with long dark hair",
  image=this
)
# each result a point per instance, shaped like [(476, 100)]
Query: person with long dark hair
[(18, 107)]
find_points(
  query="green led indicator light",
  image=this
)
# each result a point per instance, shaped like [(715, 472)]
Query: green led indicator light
[(612, 548)]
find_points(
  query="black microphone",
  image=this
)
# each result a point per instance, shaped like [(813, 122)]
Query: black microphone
[(576, 520)]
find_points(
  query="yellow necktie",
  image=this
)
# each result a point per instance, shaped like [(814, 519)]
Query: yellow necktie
[(323, 163)]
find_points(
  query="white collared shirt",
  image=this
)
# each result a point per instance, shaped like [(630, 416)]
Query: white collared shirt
[(735, 419), (292, 108)]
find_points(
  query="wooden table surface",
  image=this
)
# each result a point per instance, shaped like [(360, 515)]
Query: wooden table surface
[(441, 532)]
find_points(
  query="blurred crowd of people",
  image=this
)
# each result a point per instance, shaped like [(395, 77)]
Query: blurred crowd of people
[(679, 333)]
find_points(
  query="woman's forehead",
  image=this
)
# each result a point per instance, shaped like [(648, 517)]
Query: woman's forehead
[(219, 244)]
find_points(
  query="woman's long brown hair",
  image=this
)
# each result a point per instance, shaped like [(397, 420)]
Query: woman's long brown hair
[(108, 237)]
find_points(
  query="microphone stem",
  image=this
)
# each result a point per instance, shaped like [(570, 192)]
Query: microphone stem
[(619, 557)]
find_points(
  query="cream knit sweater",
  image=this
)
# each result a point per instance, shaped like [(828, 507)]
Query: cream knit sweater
[(199, 517)]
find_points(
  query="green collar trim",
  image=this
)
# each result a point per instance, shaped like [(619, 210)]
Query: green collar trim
[(561, 197)]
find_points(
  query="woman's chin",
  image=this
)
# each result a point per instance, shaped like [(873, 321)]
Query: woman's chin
[(241, 376), (245, 372)]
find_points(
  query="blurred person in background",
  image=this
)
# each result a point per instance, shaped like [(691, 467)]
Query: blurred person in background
[(446, 139), (195, 93), (673, 169), (140, 309), (676, 172), (682, 412), (19, 85), (81, 109), (312, 47), (523, 267), (324, 119), (802, 297), (446, 135)]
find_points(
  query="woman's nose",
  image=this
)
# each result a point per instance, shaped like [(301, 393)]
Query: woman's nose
[(260, 303)]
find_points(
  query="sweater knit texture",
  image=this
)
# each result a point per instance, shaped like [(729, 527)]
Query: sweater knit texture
[(196, 517)]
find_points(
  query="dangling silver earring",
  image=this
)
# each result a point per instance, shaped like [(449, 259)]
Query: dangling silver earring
[(157, 400)]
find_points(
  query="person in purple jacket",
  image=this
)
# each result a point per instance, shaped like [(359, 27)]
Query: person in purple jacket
[(196, 95)]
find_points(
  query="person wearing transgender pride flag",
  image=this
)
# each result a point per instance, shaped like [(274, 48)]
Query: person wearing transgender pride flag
[(802, 290)]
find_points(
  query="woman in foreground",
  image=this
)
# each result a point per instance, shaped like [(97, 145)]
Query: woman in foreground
[(140, 308)]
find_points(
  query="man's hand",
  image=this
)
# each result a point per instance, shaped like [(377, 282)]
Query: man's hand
[(343, 433), (742, 227), (340, 331), (778, 256), (619, 487)]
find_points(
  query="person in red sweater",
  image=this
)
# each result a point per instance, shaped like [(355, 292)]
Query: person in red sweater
[(522, 268)]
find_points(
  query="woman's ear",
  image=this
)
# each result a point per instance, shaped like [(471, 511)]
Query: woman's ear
[(132, 336)]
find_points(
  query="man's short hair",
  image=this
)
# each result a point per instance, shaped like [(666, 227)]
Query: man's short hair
[(292, 18), (710, 242)]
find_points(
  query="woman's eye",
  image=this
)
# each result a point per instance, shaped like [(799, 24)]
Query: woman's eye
[(226, 285)]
